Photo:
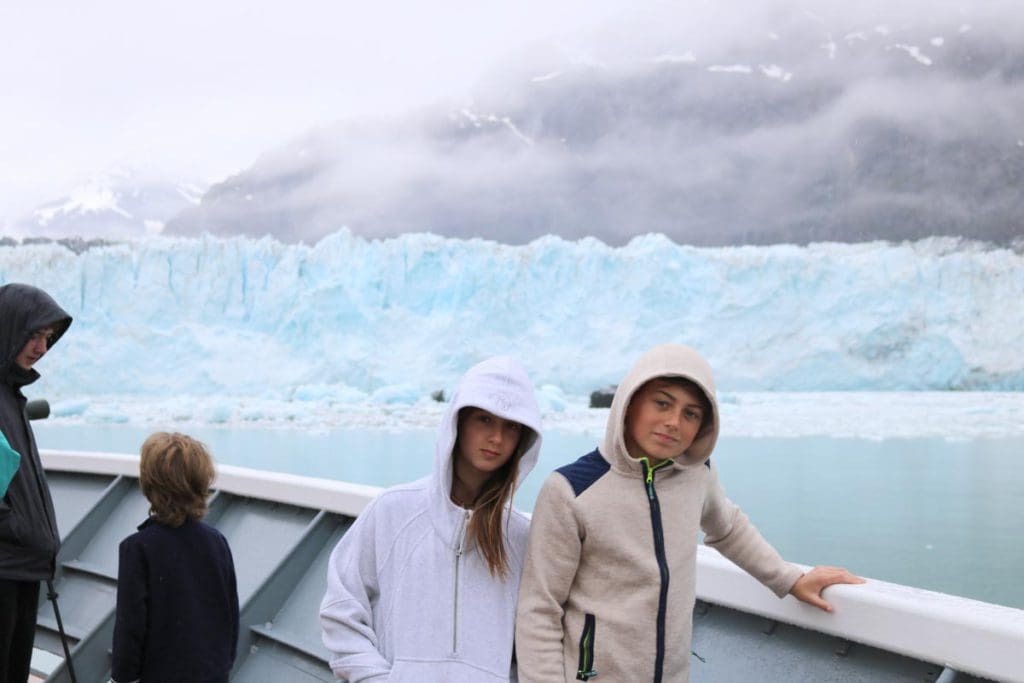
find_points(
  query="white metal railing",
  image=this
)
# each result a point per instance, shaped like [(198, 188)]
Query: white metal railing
[(970, 636), (321, 494)]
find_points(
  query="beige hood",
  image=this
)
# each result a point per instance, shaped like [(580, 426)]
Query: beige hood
[(666, 360)]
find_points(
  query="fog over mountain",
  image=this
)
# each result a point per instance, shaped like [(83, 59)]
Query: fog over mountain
[(118, 203), (785, 125)]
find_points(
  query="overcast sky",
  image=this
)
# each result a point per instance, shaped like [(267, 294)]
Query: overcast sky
[(203, 87), (200, 90)]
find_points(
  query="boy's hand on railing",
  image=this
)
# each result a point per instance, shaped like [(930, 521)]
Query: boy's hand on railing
[(808, 587)]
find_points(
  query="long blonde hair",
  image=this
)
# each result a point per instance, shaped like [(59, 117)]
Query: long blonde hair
[(486, 526)]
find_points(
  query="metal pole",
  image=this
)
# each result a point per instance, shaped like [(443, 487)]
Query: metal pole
[(51, 595)]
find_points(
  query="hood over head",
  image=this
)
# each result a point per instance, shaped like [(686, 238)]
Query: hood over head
[(666, 360), (500, 386), (24, 310)]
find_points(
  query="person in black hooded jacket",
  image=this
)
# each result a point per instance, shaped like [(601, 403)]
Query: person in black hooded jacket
[(31, 322)]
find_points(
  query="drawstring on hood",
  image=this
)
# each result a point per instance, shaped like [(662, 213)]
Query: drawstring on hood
[(666, 360)]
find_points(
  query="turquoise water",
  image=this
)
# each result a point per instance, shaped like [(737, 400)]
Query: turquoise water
[(936, 514)]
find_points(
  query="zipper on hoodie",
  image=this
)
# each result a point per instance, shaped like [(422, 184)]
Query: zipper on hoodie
[(460, 548), (659, 553), (586, 670)]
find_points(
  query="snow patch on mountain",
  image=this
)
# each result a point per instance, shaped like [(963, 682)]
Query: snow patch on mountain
[(115, 204)]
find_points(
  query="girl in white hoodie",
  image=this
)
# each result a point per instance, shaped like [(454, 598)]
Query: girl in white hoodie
[(423, 586)]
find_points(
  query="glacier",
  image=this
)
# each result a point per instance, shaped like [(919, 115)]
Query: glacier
[(247, 328)]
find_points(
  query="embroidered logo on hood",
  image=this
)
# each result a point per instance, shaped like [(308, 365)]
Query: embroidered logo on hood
[(501, 400)]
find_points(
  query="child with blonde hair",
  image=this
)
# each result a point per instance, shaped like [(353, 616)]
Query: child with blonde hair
[(177, 599)]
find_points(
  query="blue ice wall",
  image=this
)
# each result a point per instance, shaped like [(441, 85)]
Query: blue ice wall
[(398, 318)]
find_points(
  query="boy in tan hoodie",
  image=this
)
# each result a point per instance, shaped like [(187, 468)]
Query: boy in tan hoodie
[(608, 585)]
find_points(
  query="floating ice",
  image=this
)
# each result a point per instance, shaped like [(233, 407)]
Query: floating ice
[(551, 399)]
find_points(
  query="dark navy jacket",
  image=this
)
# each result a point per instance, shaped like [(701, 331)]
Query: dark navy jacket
[(177, 605), (28, 526)]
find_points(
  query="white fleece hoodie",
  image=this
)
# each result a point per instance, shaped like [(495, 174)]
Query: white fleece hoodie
[(409, 596)]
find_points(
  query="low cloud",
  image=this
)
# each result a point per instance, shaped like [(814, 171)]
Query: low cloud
[(838, 124)]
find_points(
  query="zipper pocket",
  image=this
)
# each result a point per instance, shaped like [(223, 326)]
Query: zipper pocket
[(586, 670)]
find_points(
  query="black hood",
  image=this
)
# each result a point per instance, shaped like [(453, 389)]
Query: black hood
[(24, 310)]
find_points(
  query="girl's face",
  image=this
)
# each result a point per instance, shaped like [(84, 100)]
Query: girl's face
[(485, 441), (662, 421)]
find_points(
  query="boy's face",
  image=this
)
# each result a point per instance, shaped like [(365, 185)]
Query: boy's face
[(662, 421), (35, 348)]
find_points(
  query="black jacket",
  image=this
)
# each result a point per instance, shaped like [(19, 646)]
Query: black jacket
[(177, 605), (28, 526)]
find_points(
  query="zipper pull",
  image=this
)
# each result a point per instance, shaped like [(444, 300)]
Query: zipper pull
[(462, 536), (649, 477)]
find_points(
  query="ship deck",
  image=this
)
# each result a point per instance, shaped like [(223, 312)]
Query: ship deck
[(282, 528)]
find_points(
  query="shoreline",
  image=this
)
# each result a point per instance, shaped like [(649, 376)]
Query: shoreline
[(839, 414)]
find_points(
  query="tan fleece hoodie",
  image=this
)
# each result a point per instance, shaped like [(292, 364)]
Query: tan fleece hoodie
[(608, 585)]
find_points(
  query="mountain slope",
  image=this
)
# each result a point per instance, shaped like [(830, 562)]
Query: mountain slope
[(115, 204), (800, 133)]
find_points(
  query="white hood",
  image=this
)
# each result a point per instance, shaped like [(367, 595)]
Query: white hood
[(500, 386)]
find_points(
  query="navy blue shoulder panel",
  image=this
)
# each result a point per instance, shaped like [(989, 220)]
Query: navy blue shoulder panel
[(585, 471)]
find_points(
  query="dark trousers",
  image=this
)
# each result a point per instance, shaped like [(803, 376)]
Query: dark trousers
[(19, 603)]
